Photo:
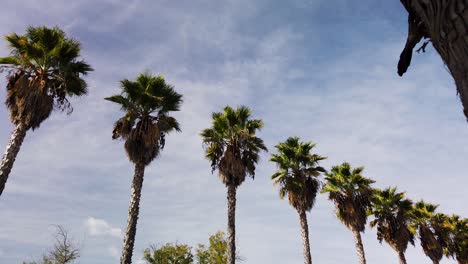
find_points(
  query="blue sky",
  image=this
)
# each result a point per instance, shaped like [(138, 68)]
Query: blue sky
[(322, 70)]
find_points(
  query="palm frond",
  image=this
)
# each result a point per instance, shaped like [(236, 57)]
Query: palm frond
[(298, 172), (146, 121), (231, 144)]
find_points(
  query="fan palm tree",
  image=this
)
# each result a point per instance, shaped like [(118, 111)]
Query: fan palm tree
[(44, 68), (297, 175), (431, 230), (444, 23), (458, 240), (352, 193), (147, 102), (232, 147), (392, 214)]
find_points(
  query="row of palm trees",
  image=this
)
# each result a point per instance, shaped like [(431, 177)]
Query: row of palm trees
[(233, 148), (45, 68)]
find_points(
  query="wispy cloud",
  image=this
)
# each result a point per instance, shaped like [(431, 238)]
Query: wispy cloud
[(320, 70)]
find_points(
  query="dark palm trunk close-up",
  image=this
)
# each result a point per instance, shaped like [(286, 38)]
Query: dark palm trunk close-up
[(401, 256), (446, 24), (133, 211), (359, 246), (305, 236), (12, 149), (231, 197)]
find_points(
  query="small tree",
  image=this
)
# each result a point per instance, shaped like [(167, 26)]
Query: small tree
[(169, 254), (216, 252), (65, 250)]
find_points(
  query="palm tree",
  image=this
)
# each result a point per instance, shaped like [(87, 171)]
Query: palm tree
[(147, 103), (392, 214), (297, 175), (458, 240), (43, 70), (351, 192), (431, 230), (232, 147), (444, 23)]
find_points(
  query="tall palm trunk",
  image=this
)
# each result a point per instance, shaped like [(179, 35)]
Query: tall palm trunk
[(133, 210), (231, 197), (12, 149), (359, 246), (305, 236), (446, 24), (402, 257)]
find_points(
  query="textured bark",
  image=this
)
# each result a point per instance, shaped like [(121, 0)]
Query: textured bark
[(231, 197), (401, 255), (305, 236), (446, 23), (133, 211), (359, 247), (12, 149)]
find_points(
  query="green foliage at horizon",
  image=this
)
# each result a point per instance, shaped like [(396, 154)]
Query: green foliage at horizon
[(174, 253)]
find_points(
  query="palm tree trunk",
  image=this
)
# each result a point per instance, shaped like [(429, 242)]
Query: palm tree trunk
[(231, 197), (133, 211), (359, 246), (305, 236), (446, 24), (401, 255), (12, 149)]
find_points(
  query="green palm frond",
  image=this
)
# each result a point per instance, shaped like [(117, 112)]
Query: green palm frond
[(147, 103), (298, 172), (44, 69), (392, 214), (457, 247), (231, 144), (352, 194), (431, 228)]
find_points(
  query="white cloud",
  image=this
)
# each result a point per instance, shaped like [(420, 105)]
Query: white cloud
[(99, 227)]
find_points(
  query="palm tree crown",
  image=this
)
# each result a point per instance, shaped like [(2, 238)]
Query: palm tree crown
[(44, 68), (458, 240), (431, 228), (351, 192), (298, 172), (232, 145), (147, 103), (392, 213)]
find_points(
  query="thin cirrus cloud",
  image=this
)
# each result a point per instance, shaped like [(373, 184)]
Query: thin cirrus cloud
[(321, 70)]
